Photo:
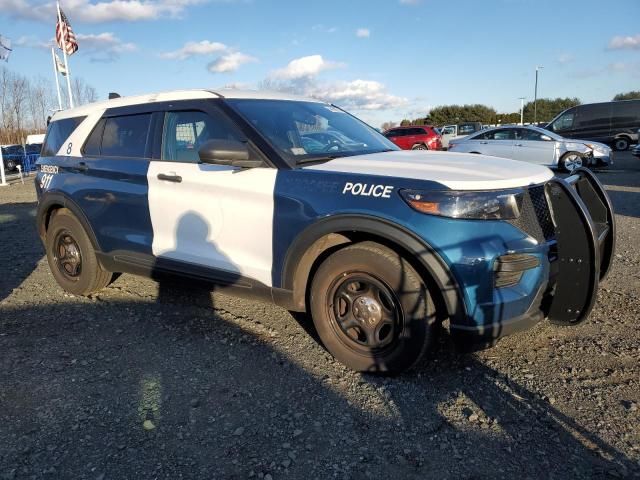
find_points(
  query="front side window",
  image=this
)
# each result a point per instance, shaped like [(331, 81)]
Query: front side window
[(126, 136), (565, 122), (57, 133), (466, 129), (285, 124), (185, 132)]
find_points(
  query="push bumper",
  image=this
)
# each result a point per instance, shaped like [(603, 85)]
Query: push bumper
[(579, 258)]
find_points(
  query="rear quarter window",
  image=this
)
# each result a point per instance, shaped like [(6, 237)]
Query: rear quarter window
[(57, 133)]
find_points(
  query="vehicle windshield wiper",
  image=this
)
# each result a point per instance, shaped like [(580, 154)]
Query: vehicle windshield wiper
[(318, 159)]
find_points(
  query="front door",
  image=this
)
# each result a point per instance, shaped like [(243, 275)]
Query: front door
[(205, 215)]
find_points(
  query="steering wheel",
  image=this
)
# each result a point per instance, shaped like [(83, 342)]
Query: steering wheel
[(332, 146)]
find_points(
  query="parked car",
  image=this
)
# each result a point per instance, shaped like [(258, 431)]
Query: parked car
[(454, 132), (535, 145), (12, 156), (379, 245), (614, 123), (635, 151), (422, 137)]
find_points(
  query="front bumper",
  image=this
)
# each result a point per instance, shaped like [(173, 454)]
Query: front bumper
[(564, 287)]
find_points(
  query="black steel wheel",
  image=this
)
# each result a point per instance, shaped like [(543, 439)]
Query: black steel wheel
[(371, 309), (71, 256), (67, 255)]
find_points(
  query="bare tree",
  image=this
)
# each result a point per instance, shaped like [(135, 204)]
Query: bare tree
[(388, 125), (82, 92), (26, 103)]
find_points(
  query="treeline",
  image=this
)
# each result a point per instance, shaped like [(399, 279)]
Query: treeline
[(451, 114), (25, 103), (547, 109)]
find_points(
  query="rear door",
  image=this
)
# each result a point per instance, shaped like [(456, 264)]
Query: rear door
[(533, 147), (498, 142), (212, 216)]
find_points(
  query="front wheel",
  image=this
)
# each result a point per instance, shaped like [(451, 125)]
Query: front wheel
[(571, 161), (371, 309), (419, 146), (71, 256)]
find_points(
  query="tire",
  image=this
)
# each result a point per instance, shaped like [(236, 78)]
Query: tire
[(371, 309), (570, 161), (419, 146), (621, 144), (71, 256), (11, 165)]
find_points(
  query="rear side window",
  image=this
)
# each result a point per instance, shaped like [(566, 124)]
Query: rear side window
[(125, 136), (57, 134), (394, 133)]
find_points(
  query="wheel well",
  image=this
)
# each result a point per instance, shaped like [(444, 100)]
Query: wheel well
[(419, 143), (350, 238), (46, 219)]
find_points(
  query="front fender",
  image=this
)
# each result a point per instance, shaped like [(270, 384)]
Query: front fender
[(301, 255)]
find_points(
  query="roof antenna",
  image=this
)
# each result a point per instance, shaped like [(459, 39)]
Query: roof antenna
[(113, 95)]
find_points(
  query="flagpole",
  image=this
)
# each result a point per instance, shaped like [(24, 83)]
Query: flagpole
[(64, 55), (55, 74)]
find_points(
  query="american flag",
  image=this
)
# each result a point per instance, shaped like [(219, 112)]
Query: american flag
[(65, 38)]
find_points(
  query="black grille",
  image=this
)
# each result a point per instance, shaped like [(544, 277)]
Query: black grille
[(535, 217)]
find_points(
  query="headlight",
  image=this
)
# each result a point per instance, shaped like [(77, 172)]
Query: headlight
[(490, 205)]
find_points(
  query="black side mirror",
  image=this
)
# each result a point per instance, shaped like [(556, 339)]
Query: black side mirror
[(227, 152)]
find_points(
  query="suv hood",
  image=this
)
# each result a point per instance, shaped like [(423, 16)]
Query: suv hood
[(457, 171)]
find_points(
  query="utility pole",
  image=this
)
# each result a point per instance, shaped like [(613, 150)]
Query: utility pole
[(522, 110), (535, 97)]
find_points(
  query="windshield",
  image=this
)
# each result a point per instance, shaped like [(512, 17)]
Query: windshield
[(310, 131)]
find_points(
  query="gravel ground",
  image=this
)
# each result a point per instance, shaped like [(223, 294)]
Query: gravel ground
[(194, 384)]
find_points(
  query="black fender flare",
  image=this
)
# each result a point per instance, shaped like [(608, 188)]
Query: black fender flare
[(333, 231), (56, 199)]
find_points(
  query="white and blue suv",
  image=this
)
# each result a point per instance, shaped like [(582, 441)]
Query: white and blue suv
[(379, 245)]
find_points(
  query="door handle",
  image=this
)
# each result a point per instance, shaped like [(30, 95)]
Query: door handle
[(519, 145), (170, 178), (83, 167), (484, 143)]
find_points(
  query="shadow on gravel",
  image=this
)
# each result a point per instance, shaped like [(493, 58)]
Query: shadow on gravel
[(20, 250), (109, 389)]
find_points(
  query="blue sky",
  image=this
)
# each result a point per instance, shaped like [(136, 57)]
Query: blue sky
[(382, 59)]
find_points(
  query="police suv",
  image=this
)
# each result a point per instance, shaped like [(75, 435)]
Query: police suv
[(379, 245)]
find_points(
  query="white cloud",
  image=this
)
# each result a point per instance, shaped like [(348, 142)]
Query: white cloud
[(363, 33), (230, 62), (205, 47), (305, 67), (630, 42), (105, 11), (104, 47), (324, 29), (565, 58), (101, 47), (359, 95)]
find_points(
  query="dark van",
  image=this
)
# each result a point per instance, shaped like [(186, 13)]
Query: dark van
[(614, 123)]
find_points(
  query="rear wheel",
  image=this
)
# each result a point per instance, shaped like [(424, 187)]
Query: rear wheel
[(621, 143), (419, 146), (571, 161), (371, 309), (71, 256)]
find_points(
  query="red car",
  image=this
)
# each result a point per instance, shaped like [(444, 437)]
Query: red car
[(415, 137)]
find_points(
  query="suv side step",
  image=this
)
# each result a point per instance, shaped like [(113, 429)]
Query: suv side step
[(585, 244)]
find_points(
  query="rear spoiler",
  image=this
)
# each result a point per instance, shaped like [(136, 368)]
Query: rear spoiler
[(585, 244)]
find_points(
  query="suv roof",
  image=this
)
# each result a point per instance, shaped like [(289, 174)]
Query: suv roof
[(194, 94), (410, 126)]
